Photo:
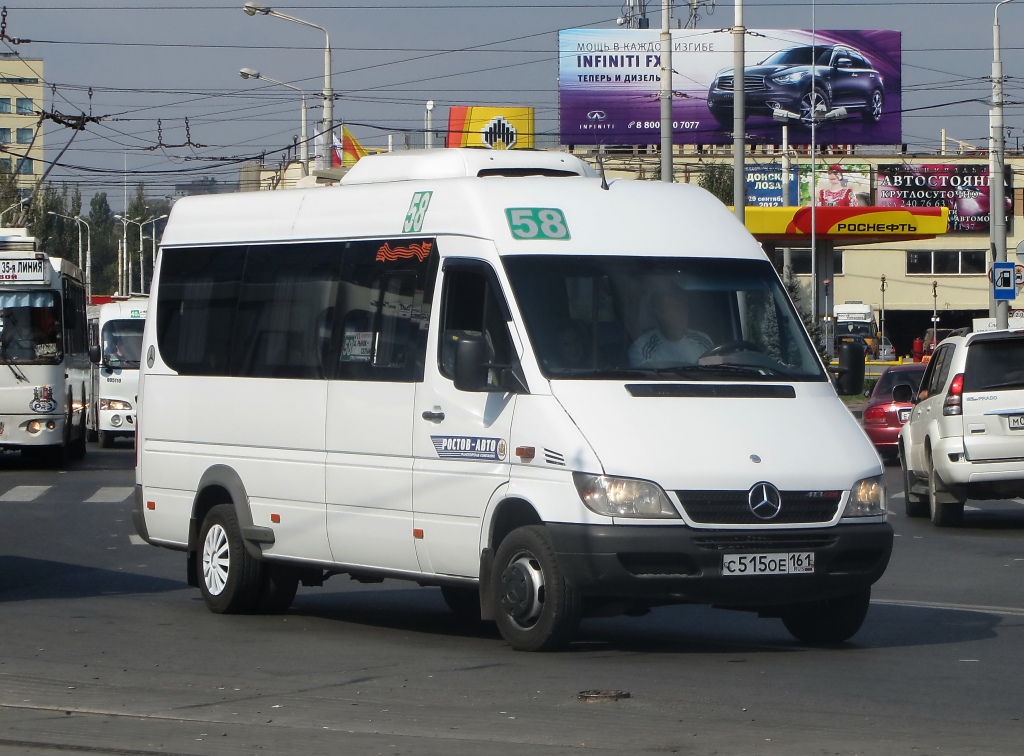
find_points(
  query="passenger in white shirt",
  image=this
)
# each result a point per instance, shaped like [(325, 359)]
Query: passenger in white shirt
[(672, 342)]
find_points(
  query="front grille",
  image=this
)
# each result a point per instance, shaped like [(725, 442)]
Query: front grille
[(732, 507), (758, 542), (750, 83)]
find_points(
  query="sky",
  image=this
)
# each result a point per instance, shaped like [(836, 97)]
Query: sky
[(162, 76)]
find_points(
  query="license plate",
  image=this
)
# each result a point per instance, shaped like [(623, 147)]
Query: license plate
[(1016, 422), (768, 564), (904, 415)]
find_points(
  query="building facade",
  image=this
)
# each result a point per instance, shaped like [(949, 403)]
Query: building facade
[(21, 133)]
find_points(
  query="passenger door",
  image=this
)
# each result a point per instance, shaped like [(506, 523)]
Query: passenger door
[(376, 355), (461, 438)]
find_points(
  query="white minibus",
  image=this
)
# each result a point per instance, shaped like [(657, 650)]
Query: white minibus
[(115, 352), (550, 395), (44, 361)]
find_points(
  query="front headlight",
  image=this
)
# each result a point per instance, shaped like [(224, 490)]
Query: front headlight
[(622, 497), (867, 498), (115, 404), (789, 78)]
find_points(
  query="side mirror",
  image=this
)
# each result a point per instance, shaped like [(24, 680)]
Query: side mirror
[(94, 354), (850, 379), (903, 393), (471, 366)]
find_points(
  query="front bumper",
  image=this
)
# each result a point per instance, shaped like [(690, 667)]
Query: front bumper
[(673, 564), (14, 432)]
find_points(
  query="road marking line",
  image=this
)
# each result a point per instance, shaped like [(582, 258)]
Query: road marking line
[(1007, 610), (25, 493), (110, 495)]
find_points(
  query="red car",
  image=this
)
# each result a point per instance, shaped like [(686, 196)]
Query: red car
[(882, 417)]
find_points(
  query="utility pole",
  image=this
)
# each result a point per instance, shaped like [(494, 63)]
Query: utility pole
[(996, 193), (666, 93), (739, 117)]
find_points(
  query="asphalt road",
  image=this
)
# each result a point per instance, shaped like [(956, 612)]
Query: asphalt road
[(106, 651)]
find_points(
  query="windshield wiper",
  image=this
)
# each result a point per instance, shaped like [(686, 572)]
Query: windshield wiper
[(1005, 385), (17, 372)]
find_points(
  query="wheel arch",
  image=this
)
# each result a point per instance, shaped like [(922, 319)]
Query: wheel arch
[(221, 484), (509, 513)]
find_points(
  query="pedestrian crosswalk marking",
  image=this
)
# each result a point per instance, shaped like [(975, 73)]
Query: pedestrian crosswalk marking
[(109, 495), (24, 493)]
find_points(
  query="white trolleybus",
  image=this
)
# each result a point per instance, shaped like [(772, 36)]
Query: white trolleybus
[(493, 372), (115, 336), (45, 390)]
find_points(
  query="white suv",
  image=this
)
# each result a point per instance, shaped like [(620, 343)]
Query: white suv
[(965, 436)]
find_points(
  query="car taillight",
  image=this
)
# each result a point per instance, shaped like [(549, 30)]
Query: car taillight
[(874, 414), (952, 403)]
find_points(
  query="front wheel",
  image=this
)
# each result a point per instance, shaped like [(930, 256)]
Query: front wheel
[(230, 580), (833, 620), (537, 609), (813, 105)]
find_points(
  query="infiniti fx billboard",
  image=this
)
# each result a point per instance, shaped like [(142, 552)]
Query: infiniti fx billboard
[(847, 82)]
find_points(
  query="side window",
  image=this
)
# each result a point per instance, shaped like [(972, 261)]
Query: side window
[(937, 370), (196, 308), (473, 307), (943, 368), (285, 304), (76, 341), (383, 310)]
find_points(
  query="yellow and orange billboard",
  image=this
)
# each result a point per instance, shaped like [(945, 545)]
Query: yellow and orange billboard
[(495, 127)]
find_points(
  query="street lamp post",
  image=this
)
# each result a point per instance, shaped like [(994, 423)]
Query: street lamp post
[(935, 313), (250, 73), (428, 126), (997, 201), (19, 203), (142, 267), (79, 220), (251, 9), (124, 260), (665, 93), (881, 319)]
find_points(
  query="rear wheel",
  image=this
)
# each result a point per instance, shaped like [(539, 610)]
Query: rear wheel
[(916, 505), (873, 112), (230, 580), (537, 610), (833, 620), (946, 512)]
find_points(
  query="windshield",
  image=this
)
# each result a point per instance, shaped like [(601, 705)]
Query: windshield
[(892, 378), (799, 56), (121, 342), (992, 365), (30, 331), (592, 317), (855, 328)]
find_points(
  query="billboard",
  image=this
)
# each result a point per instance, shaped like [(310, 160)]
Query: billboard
[(609, 81), (498, 128), (834, 185), (963, 188), (764, 185)]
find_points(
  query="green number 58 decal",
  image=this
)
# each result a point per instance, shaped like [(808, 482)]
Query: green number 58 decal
[(537, 223)]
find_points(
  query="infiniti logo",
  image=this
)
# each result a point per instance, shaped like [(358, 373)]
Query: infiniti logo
[(764, 500), (597, 115)]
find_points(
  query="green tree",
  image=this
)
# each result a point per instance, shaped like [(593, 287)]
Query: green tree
[(104, 245), (717, 179)]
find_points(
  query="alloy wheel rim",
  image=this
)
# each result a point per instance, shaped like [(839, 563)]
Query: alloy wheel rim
[(216, 560)]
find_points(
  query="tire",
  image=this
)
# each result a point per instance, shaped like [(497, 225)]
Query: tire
[(77, 448), (465, 602), (536, 609), (916, 505), (809, 102), (872, 112), (834, 620), (106, 439), (280, 582), (944, 513), (230, 580)]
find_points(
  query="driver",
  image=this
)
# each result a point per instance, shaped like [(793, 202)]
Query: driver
[(671, 342)]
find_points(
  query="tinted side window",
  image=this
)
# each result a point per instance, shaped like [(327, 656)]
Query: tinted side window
[(473, 307), (285, 308), (938, 369), (383, 310), (196, 309)]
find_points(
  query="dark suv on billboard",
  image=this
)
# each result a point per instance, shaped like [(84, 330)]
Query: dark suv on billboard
[(801, 80)]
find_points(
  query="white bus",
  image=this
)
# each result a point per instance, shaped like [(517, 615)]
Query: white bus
[(115, 350), (45, 391), (448, 370)]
